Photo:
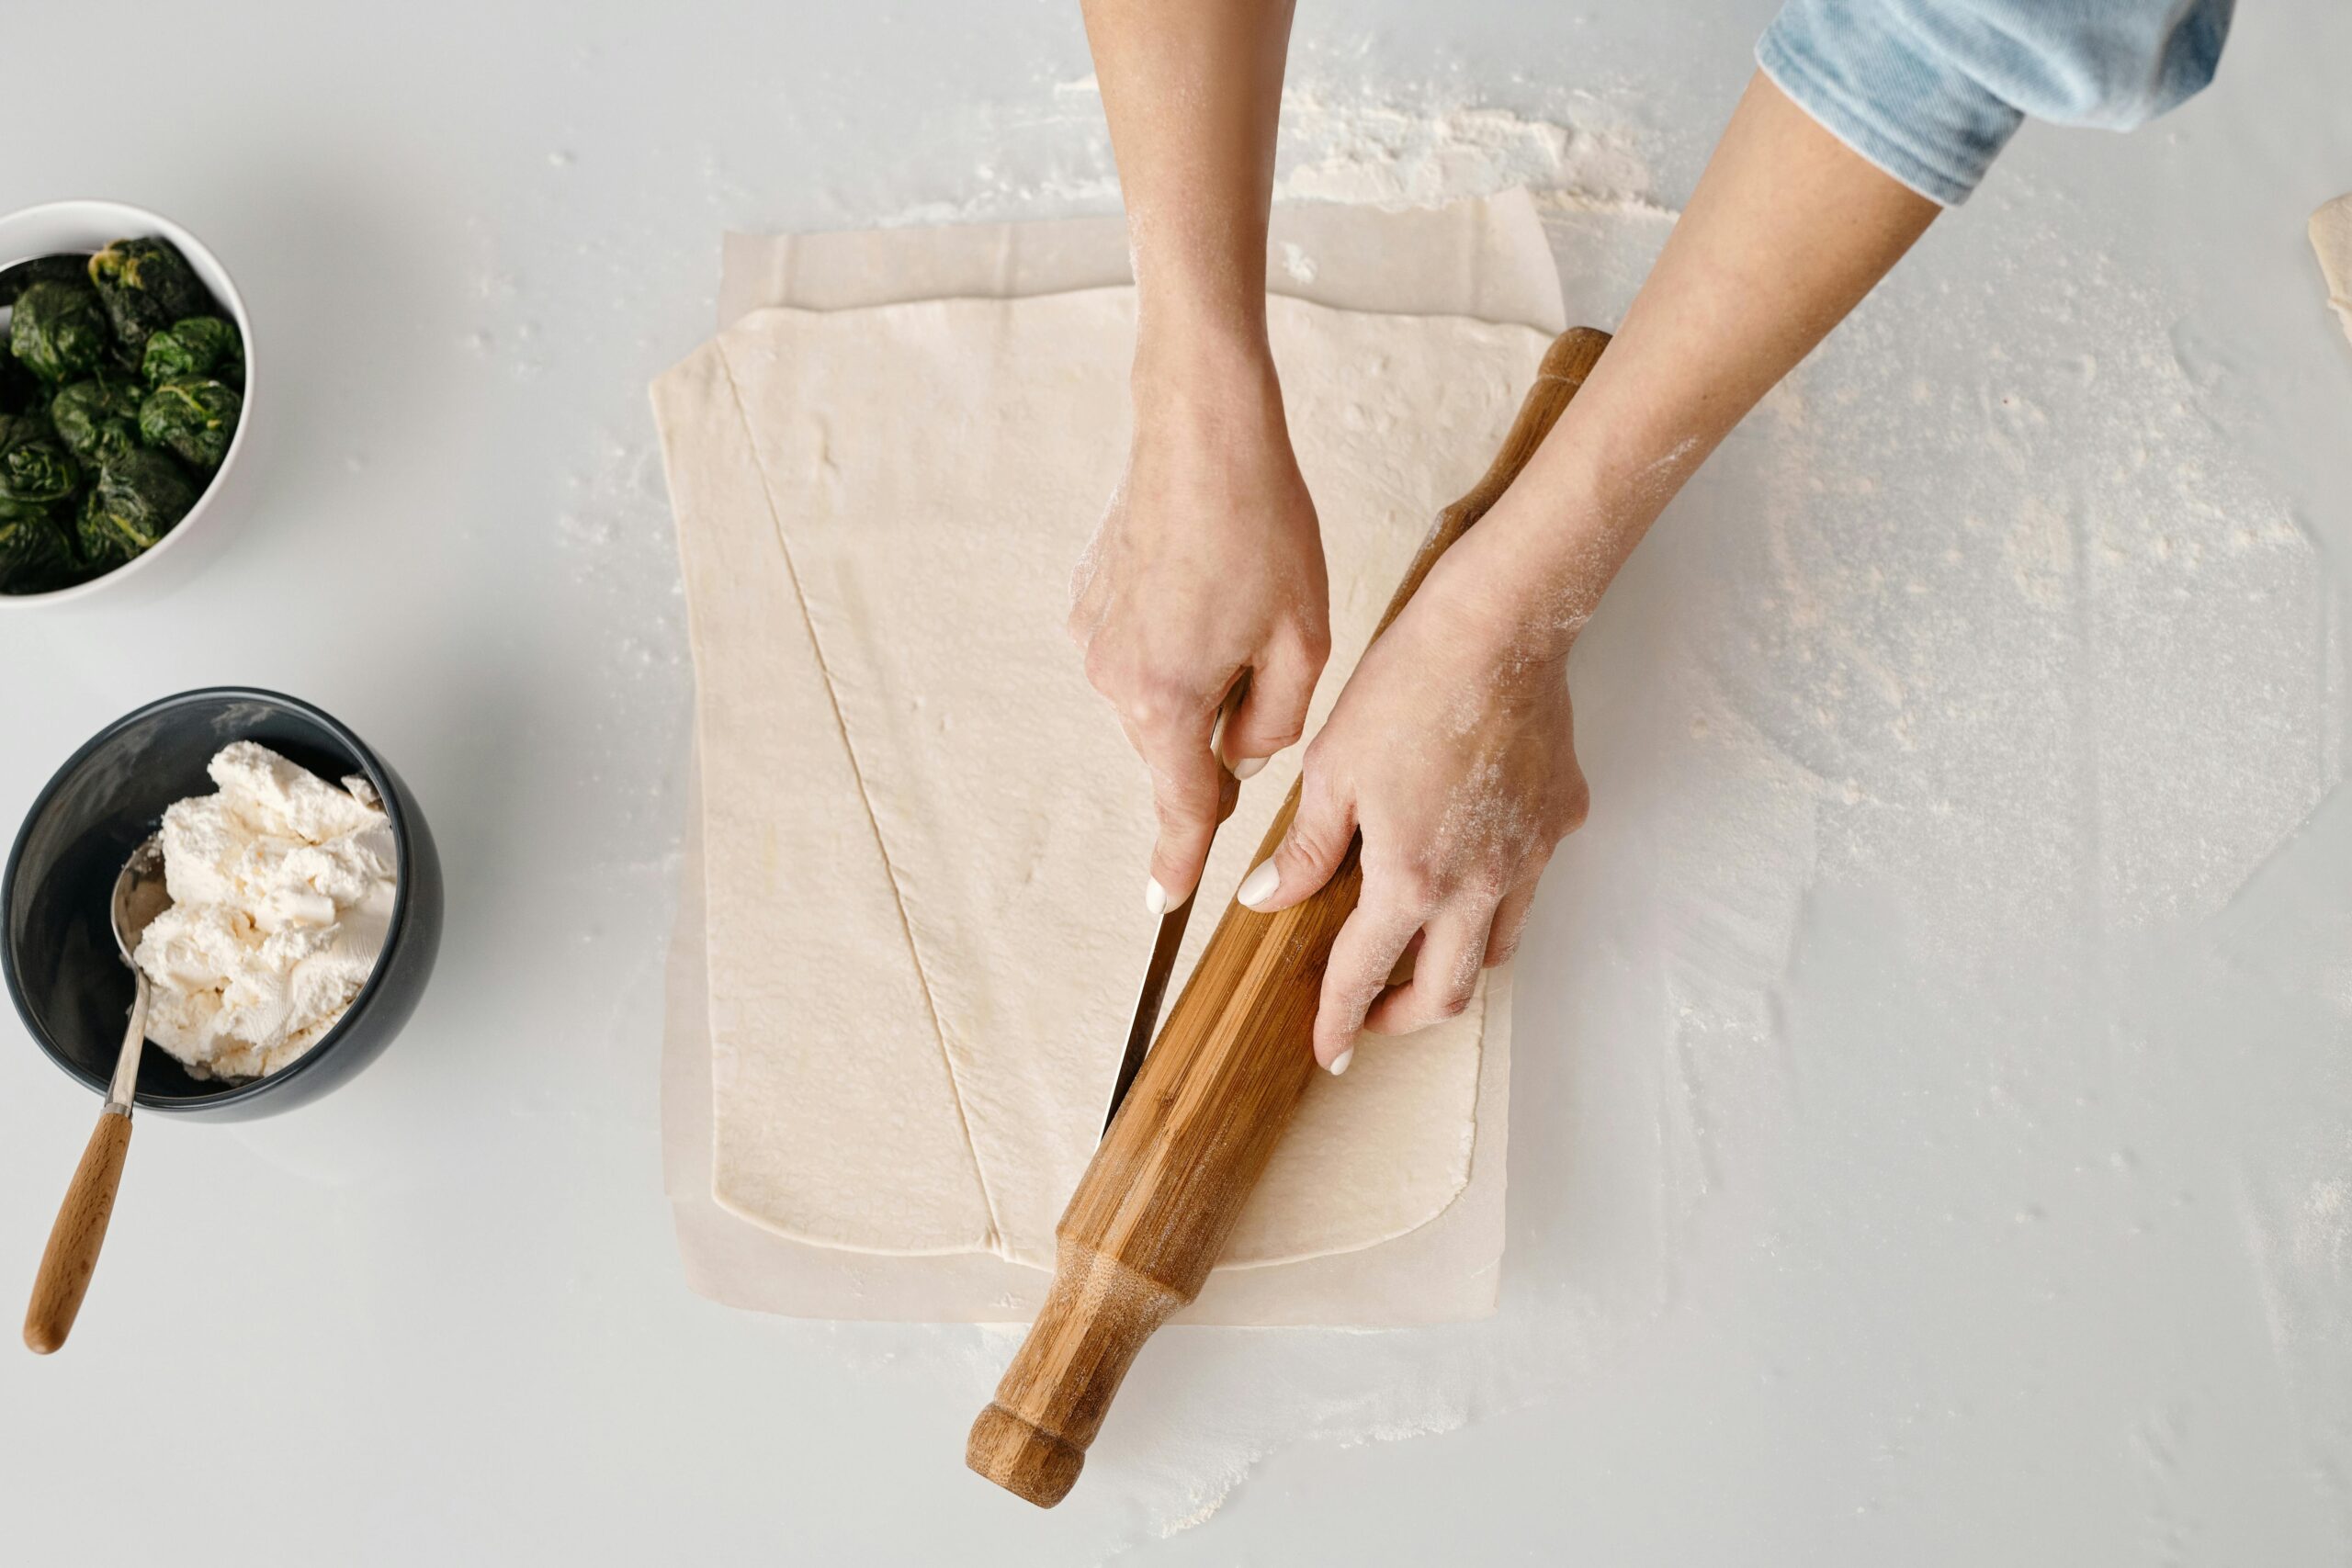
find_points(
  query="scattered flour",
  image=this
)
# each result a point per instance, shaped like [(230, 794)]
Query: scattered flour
[(1410, 148), (1205, 1407), (1418, 152), (614, 536), (2037, 637), (2324, 1230)]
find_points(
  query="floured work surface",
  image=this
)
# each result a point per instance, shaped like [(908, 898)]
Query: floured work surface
[(918, 968)]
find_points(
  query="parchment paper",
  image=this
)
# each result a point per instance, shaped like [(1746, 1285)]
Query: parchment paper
[(2331, 231), (1487, 259)]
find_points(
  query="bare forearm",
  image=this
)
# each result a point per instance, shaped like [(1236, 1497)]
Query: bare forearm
[(1194, 93), (1207, 570), (1787, 231)]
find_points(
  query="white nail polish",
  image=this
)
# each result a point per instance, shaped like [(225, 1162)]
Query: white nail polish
[(1154, 896), (1340, 1063), (1246, 768), (1259, 886)]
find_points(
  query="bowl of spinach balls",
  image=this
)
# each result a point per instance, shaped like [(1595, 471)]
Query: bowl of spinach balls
[(126, 375)]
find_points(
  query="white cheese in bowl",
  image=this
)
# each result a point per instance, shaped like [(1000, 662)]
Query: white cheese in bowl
[(282, 889)]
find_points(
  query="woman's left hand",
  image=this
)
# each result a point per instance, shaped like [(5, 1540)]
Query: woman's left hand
[(1452, 749)]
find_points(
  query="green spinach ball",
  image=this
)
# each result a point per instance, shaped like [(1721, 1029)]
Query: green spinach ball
[(139, 498), (147, 284), (59, 331), (34, 467), (193, 417), (200, 345), (97, 418)]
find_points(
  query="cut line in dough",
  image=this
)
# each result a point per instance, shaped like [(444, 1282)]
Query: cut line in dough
[(866, 800)]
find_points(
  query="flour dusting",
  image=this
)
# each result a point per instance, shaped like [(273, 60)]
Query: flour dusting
[(2039, 638), (1342, 140), (1424, 152)]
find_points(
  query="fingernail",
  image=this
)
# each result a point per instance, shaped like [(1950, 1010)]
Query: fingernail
[(1259, 886), (1246, 768), (1154, 896), (1340, 1063)]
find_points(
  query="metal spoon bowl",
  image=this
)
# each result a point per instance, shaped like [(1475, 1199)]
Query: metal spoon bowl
[(71, 1255), (140, 895)]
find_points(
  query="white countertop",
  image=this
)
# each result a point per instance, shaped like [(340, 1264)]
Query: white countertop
[(1863, 1211)]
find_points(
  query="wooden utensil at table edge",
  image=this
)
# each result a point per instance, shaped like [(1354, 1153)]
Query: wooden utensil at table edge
[(141, 892), (71, 1255), (1161, 1198)]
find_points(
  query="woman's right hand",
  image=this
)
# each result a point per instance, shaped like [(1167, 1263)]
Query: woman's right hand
[(1207, 565)]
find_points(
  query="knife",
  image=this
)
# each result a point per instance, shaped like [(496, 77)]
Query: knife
[(1144, 1020)]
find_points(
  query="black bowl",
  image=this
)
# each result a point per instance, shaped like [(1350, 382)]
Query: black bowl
[(57, 949)]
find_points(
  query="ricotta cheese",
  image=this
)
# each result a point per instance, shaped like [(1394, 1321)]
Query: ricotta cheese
[(282, 889)]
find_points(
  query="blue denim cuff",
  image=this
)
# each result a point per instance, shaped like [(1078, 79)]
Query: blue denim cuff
[(1885, 93)]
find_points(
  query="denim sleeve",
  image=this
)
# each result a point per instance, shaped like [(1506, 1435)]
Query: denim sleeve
[(1931, 90)]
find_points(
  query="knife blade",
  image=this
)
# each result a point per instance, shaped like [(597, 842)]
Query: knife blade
[(1144, 1020)]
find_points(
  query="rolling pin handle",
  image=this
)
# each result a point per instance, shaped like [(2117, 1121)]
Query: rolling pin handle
[(1033, 1437), (1025, 1459)]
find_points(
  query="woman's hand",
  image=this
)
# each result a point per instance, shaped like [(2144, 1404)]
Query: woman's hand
[(1452, 751), (1207, 566)]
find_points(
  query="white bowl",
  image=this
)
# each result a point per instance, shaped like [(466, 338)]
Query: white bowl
[(87, 227)]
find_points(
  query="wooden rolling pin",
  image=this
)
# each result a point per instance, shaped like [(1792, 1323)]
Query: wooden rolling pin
[(1157, 1203)]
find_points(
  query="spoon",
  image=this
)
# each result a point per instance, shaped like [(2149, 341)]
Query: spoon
[(140, 895)]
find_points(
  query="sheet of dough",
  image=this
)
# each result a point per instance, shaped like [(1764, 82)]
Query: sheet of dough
[(2330, 232), (1491, 255)]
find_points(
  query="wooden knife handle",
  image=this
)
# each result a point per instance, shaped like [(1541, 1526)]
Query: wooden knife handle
[(1159, 1201), (80, 1230)]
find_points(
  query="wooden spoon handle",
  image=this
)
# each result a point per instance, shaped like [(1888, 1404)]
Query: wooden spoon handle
[(74, 1241)]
